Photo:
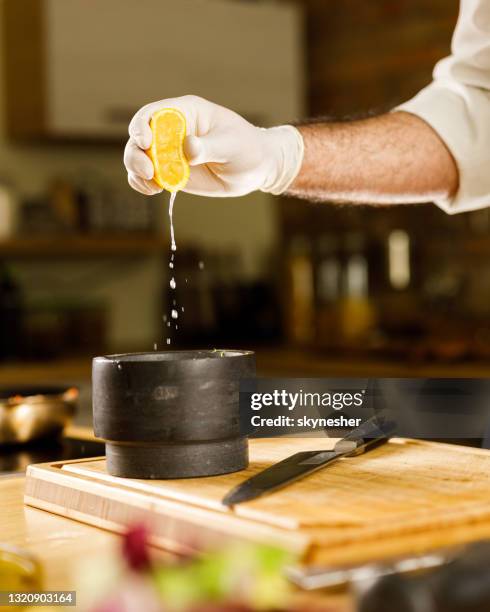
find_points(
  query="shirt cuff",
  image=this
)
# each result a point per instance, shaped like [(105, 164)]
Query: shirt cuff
[(461, 117)]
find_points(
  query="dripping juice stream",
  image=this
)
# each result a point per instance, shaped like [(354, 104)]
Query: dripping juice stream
[(173, 247), (171, 218)]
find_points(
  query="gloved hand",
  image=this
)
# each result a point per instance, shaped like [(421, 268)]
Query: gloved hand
[(228, 155)]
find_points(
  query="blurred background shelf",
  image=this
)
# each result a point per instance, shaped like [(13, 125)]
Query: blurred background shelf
[(83, 246), (270, 362), (322, 290), (68, 369)]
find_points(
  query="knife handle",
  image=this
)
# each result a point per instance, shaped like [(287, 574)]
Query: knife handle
[(373, 430)]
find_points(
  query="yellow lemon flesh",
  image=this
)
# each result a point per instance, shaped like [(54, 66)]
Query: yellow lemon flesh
[(167, 149)]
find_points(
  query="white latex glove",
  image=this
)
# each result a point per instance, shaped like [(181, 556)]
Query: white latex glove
[(228, 155)]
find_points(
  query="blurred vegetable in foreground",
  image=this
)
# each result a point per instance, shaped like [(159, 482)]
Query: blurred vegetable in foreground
[(240, 578)]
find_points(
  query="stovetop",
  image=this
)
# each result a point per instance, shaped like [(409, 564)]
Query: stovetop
[(14, 459)]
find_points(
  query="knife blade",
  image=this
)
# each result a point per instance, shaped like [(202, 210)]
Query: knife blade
[(372, 433)]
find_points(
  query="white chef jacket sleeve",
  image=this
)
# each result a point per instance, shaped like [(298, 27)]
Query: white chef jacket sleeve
[(457, 106)]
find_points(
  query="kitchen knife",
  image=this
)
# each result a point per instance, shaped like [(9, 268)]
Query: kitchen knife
[(370, 434)]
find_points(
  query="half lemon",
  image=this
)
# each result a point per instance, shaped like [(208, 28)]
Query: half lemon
[(172, 170)]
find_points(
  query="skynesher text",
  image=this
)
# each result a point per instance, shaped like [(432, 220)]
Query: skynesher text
[(309, 422)]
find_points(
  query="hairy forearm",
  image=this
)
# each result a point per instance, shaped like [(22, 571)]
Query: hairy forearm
[(393, 158)]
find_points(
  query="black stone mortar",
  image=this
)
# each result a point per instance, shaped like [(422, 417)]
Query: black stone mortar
[(172, 414)]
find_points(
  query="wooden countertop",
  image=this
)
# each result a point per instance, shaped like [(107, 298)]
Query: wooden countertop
[(63, 546), (58, 543)]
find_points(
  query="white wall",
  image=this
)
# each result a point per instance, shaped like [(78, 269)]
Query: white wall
[(132, 290)]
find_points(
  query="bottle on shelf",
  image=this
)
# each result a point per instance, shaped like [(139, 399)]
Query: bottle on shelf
[(9, 210), (357, 314), (328, 289), (300, 307)]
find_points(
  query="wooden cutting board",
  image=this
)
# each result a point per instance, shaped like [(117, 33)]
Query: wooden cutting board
[(402, 498)]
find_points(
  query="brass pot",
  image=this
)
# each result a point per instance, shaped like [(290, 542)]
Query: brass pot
[(32, 413)]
